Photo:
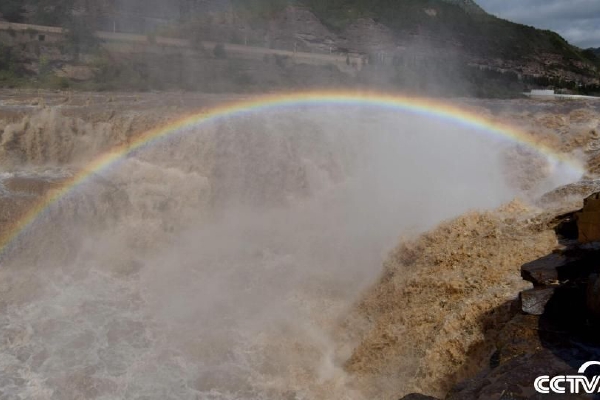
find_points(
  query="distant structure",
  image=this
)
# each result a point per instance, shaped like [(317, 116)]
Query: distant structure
[(550, 94), (541, 92), (118, 42)]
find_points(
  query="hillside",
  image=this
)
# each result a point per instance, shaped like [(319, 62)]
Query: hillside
[(409, 44), (468, 5), (455, 23), (457, 33)]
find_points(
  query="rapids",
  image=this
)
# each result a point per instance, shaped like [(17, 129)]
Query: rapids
[(224, 261)]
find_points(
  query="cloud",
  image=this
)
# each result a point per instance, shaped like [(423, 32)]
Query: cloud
[(578, 21)]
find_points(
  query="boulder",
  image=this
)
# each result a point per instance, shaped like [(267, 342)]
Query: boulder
[(565, 226), (574, 263), (520, 336), (593, 295), (548, 270), (588, 220), (534, 301), (515, 379)]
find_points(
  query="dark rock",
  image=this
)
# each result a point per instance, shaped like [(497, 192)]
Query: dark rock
[(559, 331), (592, 203), (417, 396), (565, 226), (593, 295), (514, 379), (569, 264), (534, 301), (566, 310), (518, 337), (547, 270), (589, 227), (588, 220)]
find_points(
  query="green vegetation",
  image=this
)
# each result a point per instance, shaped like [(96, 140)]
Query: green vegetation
[(593, 55)]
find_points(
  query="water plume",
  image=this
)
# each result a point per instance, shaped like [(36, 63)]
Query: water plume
[(220, 264)]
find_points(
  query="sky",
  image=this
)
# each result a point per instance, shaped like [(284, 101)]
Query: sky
[(578, 21)]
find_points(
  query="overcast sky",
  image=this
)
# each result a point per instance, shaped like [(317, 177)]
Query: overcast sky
[(578, 21)]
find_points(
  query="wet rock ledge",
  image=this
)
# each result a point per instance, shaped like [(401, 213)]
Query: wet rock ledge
[(555, 328)]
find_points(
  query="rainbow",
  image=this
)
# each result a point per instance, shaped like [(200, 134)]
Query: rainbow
[(424, 107)]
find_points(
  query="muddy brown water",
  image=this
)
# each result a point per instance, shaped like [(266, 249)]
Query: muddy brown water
[(243, 259)]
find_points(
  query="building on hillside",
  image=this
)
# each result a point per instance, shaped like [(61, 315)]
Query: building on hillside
[(542, 92)]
